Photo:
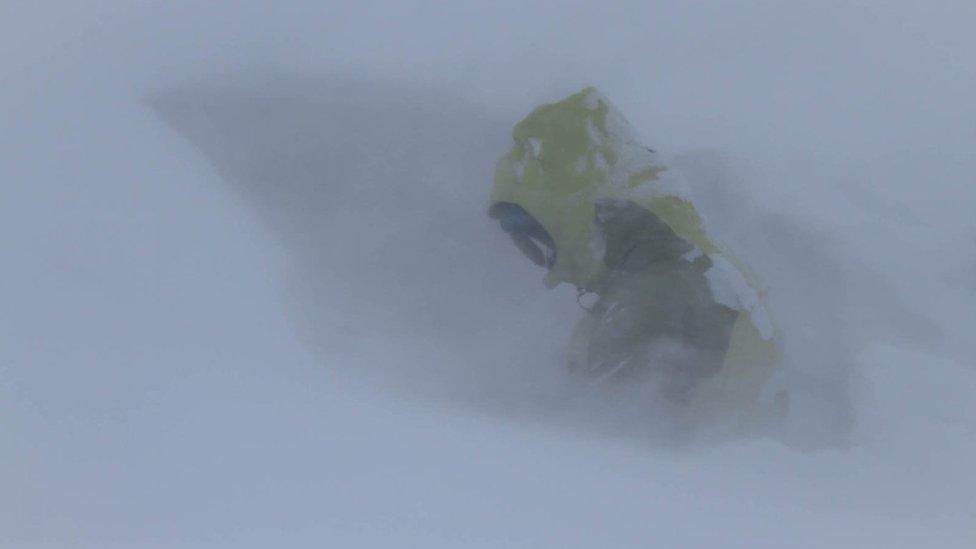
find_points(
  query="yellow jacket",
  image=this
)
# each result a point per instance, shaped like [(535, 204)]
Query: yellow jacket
[(673, 305)]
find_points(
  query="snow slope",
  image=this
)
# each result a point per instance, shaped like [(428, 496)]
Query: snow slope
[(251, 297)]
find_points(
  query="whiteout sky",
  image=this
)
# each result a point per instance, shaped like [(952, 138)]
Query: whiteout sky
[(251, 297)]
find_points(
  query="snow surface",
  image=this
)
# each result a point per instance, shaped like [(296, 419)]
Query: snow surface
[(730, 288), (252, 299)]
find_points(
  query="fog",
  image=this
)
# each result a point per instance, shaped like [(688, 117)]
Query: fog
[(252, 296)]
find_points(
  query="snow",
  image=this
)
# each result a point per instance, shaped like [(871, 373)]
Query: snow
[(694, 254), (730, 288), (202, 348), (592, 100), (633, 157)]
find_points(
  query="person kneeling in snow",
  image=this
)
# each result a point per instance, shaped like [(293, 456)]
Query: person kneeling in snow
[(581, 196)]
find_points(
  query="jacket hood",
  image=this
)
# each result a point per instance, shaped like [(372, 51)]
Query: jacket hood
[(570, 154)]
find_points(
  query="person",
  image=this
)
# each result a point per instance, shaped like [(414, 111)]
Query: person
[(581, 197)]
